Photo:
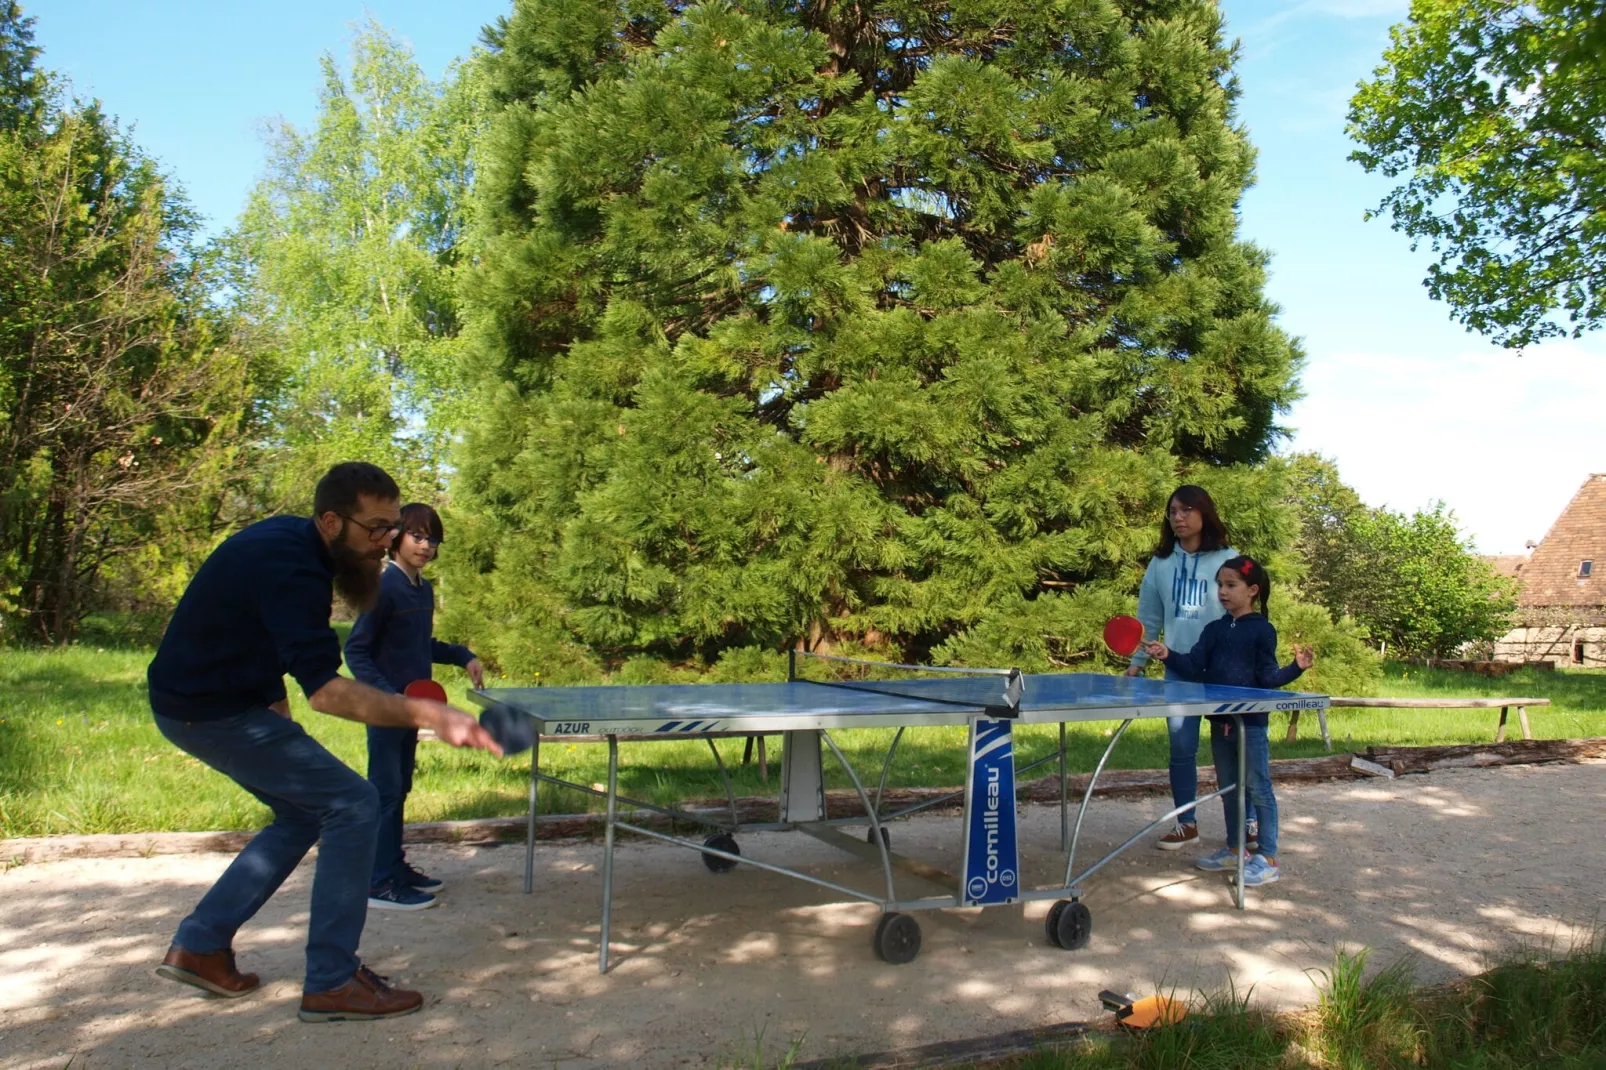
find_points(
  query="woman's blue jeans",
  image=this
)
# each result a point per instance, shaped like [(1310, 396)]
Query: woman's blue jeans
[(315, 798)]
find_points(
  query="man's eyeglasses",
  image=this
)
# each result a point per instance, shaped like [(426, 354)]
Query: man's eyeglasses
[(385, 529)]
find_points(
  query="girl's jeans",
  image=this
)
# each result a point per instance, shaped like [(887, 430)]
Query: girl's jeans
[(1257, 750)]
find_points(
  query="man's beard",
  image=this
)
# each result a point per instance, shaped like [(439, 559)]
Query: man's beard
[(356, 577)]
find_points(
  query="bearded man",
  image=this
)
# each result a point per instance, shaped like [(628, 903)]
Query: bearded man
[(257, 610)]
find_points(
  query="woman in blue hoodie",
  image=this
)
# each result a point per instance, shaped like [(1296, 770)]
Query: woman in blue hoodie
[(1239, 649), (1176, 601)]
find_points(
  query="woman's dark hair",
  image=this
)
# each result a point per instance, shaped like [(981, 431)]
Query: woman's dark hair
[(420, 519), (1252, 573), (1213, 533)]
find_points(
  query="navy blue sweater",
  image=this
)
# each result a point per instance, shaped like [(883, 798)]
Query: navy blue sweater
[(394, 644), (257, 609), (1239, 653)]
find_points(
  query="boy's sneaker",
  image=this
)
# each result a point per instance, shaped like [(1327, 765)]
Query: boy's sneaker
[(421, 881), (394, 895), (1251, 837), (1179, 835), (1221, 861), (1260, 871)]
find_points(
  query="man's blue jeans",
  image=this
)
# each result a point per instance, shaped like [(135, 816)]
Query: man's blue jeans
[(315, 798), (392, 754), (1257, 752)]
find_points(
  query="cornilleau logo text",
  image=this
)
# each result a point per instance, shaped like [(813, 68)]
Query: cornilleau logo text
[(990, 853)]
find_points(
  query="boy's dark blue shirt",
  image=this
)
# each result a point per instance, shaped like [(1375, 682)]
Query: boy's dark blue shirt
[(257, 609), (393, 644), (1238, 653)]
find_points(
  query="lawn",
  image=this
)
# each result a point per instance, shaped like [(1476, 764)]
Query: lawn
[(79, 753)]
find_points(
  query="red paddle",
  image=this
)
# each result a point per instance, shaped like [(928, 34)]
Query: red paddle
[(426, 689), (1123, 634)]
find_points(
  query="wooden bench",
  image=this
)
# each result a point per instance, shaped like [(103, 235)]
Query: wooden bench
[(1505, 705)]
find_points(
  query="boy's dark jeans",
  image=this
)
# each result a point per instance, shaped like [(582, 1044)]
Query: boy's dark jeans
[(392, 754), (315, 798)]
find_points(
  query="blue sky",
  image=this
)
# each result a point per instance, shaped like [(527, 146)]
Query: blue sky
[(1413, 408)]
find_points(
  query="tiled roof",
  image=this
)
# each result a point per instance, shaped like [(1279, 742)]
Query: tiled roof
[(1551, 576), (1508, 565)]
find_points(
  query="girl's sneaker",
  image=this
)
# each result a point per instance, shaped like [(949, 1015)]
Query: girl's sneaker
[(1222, 860), (1259, 870), (1252, 835), (1179, 836)]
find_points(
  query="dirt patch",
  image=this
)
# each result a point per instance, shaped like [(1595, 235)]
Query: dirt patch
[(1451, 867)]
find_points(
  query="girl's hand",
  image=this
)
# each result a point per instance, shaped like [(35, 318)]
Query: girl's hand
[(1156, 650), (476, 674), (1304, 657)]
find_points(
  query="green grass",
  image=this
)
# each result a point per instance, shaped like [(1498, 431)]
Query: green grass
[(1529, 1012), (79, 752)]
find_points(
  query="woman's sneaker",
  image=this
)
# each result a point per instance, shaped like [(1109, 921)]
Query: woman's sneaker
[(1179, 835), (394, 895), (421, 881), (1222, 860), (1251, 837), (1258, 870)]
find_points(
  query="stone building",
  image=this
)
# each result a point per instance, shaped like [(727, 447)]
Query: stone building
[(1561, 609)]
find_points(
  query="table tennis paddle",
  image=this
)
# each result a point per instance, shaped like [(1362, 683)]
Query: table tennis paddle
[(425, 689), (513, 731), (1123, 634), (1146, 1013)]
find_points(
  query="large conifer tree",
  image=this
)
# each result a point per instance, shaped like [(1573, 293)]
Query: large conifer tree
[(887, 324)]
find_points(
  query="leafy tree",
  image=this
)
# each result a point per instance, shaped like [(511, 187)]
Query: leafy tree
[(1412, 581), (118, 398), (1492, 113), (1422, 589), (22, 86), (344, 264), (886, 326)]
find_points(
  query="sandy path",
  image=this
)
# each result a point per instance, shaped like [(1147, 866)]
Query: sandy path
[(1450, 866)]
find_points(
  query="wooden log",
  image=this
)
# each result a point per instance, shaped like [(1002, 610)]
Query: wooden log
[(840, 802), (1435, 703), (957, 1052)]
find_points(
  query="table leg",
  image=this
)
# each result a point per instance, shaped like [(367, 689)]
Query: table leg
[(607, 851), (1243, 806), (529, 825), (1065, 795)]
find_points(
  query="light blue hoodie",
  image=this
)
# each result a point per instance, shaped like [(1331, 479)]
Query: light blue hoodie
[(1178, 598)]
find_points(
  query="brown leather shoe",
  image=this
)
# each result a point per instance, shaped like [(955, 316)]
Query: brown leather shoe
[(214, 973), (363, 998)]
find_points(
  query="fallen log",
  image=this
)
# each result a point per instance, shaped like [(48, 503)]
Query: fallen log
[(839, 802)]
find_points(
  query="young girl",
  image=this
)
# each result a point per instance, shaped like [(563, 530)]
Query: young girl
[(1240, 650), (1177, 599), (390, 646)]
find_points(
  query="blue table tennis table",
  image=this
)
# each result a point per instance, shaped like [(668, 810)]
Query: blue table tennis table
[(805, 712)]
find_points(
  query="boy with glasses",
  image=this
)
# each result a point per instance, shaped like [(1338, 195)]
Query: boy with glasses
[(391, 646)]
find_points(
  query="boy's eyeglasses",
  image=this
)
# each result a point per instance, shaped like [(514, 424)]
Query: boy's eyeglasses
[(385, 529), (430, 539)]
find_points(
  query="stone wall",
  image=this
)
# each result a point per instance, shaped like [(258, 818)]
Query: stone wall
[(1569, 646)]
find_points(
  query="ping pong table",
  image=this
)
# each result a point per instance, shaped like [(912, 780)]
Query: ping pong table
[(805, 712)]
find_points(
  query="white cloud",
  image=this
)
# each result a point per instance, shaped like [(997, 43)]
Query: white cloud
[(1357, 9), (1503, 440)]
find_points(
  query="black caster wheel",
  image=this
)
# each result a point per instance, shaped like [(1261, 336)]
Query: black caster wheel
[(896, 939), (1069, 925), (721, 841), (886, 837)]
